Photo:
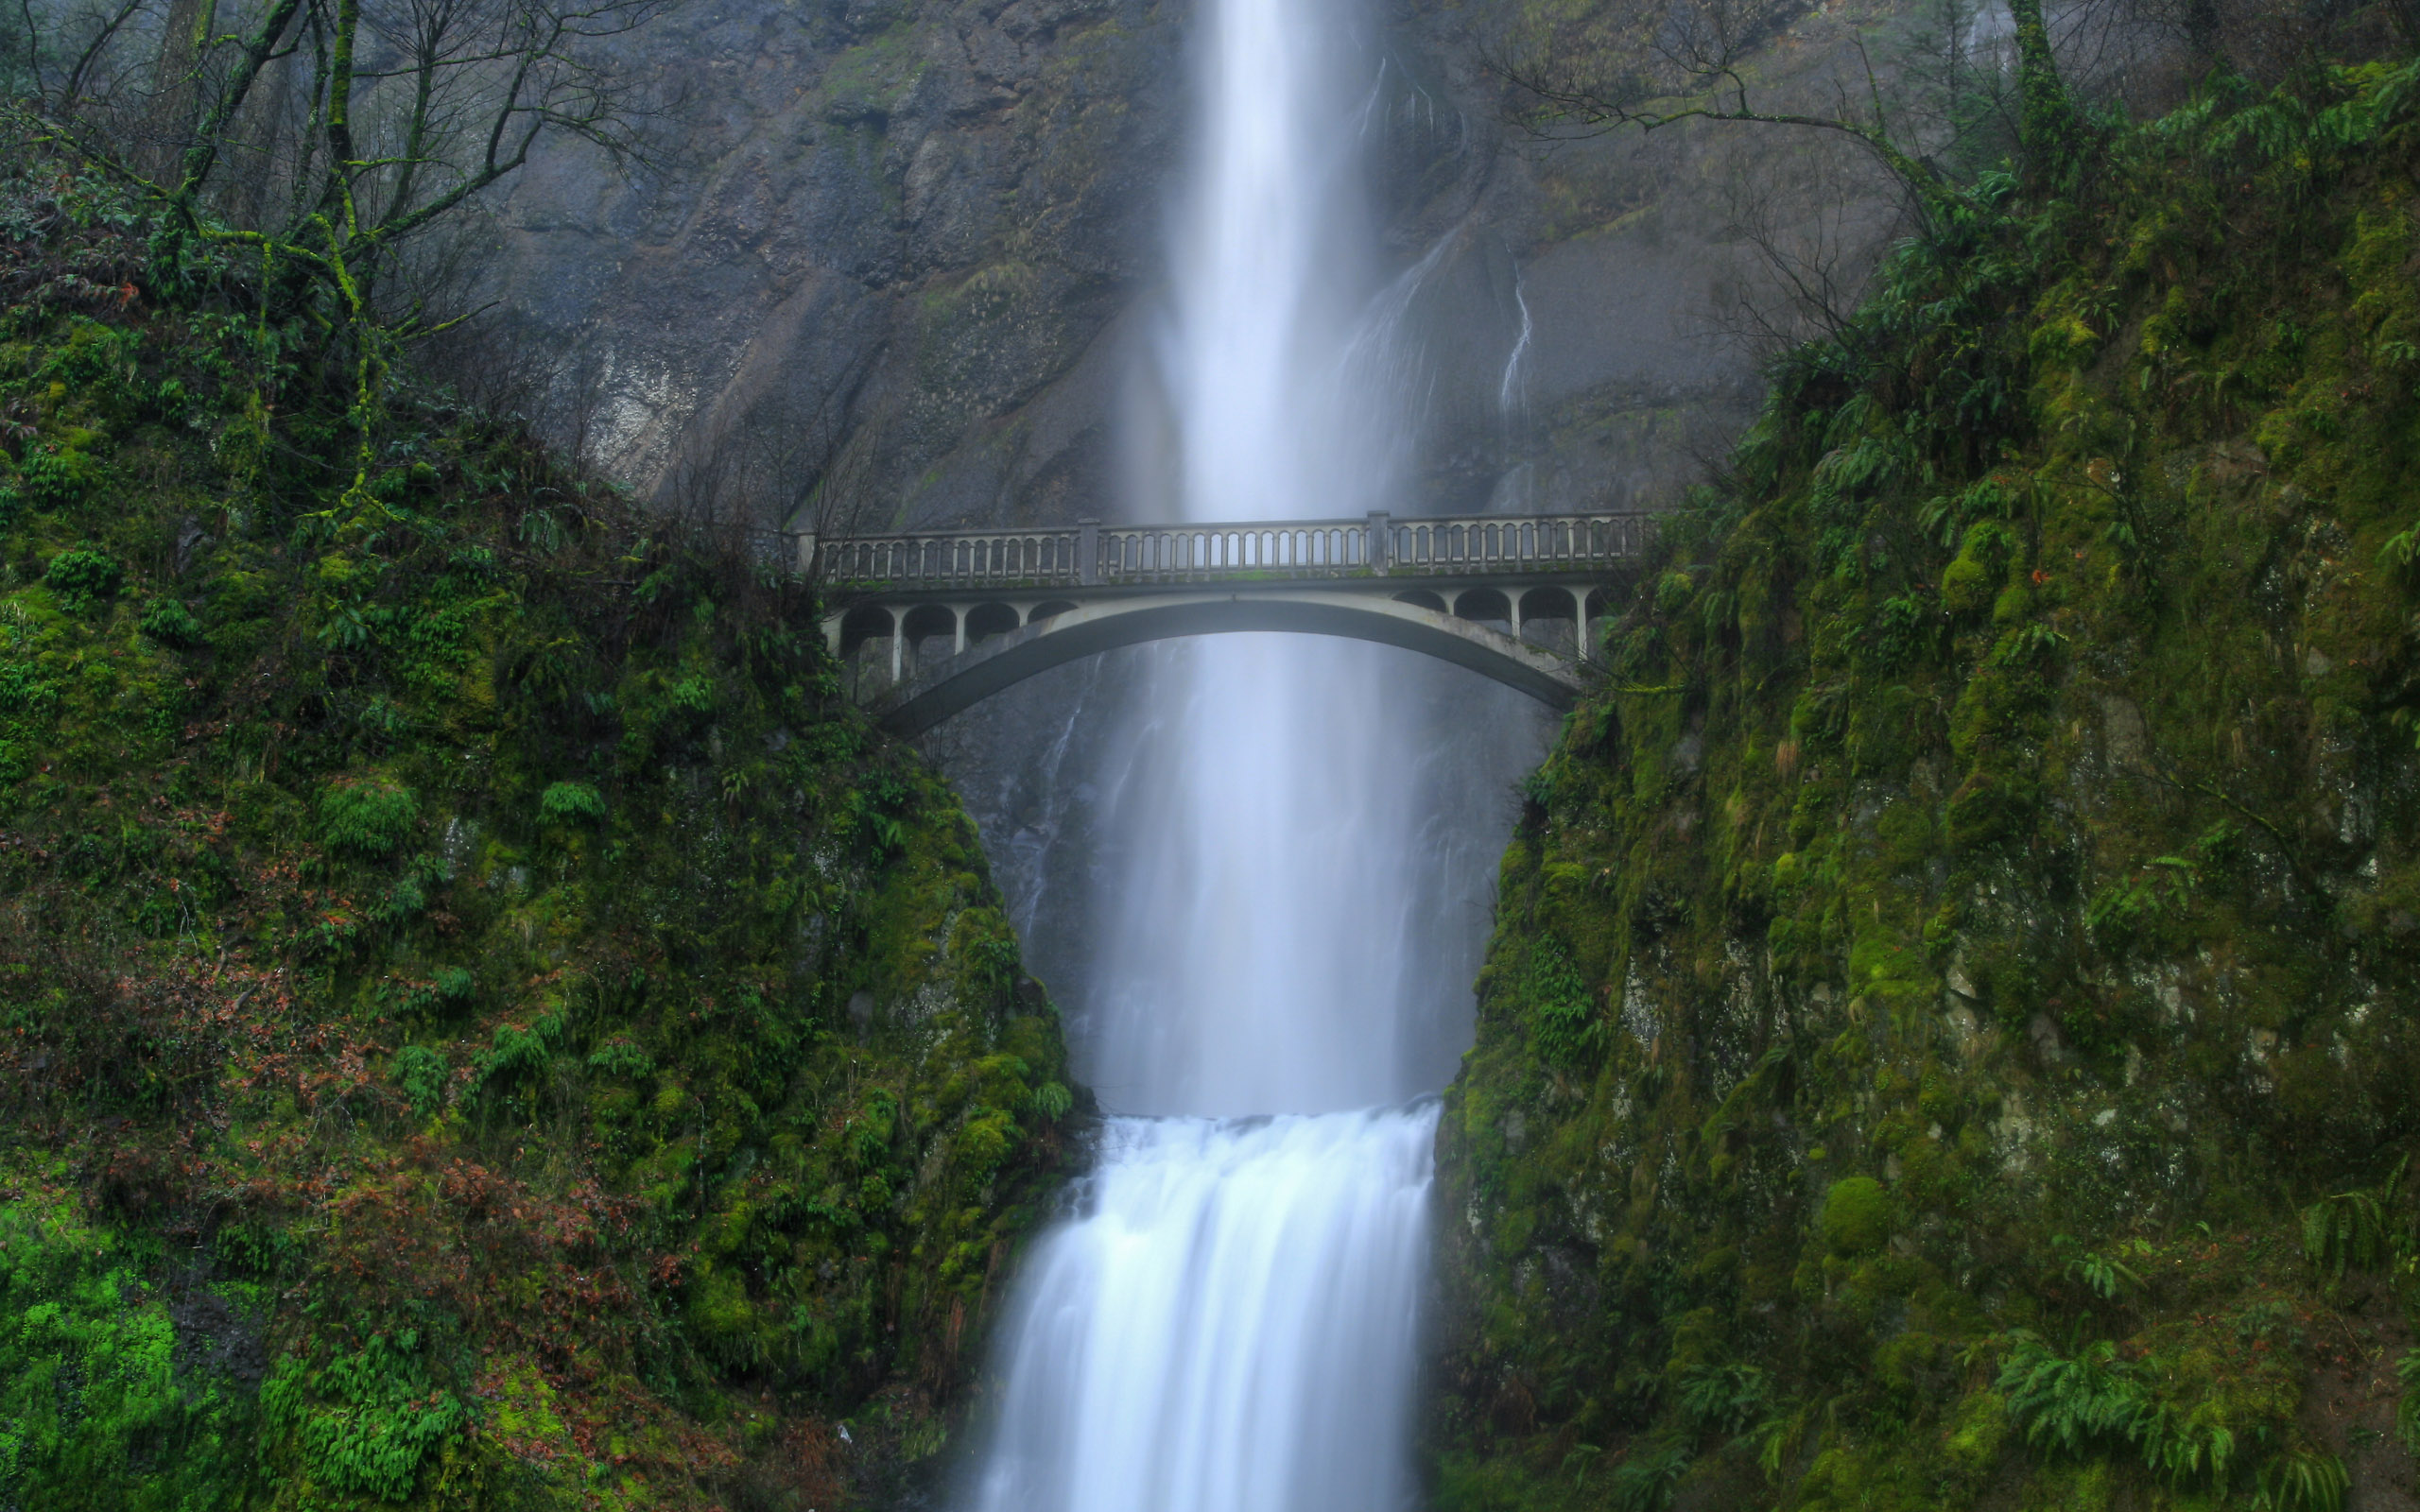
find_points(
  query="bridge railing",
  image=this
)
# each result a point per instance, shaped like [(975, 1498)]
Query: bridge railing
[(1090, 553), (948, 557)]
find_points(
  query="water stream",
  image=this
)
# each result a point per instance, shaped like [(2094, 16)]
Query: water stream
[(1284, 927)]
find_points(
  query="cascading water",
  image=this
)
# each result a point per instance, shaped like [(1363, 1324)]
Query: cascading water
[(1230, 1324), (1229, 1327)]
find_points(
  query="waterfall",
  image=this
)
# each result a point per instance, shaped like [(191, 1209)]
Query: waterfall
[(1226, 1328), (1288, 910)]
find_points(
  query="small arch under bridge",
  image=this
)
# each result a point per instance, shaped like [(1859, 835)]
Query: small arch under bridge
[(931, 622)]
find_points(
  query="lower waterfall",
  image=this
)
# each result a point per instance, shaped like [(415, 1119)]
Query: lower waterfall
[(1227, 1325)]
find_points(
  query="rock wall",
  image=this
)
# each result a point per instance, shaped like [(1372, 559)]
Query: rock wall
[(893, 238), (915, 242), (1949, 1036)]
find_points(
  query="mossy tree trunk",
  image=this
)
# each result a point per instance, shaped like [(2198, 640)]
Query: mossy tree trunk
[(2045, 119)]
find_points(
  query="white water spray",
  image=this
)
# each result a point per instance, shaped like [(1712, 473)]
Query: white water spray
[(1230, 1323), (1224, 1329)]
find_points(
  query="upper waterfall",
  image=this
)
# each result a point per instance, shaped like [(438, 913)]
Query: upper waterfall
[(1253, 935)]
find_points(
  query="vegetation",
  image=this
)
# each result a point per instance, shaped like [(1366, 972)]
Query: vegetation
[(1992, 870), (483, 1022)]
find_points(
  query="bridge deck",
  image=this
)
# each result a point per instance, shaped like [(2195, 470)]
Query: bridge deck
[(1002, 605), (1534, 548)]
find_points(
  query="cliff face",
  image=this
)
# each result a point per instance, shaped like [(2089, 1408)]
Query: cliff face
[(915, 246), (898, 266), (894, 237), (483, 1022), (1949, 1035)]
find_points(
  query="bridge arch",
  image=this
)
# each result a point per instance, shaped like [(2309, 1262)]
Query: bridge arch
[(989, 619), (945, 686), (867, 622)]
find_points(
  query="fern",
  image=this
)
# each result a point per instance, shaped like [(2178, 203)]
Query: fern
[(2094, 1401), (2407, 1411), (2107, 1275), (2357, 1230), (2183, 1447), (2070, 1404), (1570, 1033), (1643, 1482), (1724, 1399), (2400, 549), (2302, 1480)]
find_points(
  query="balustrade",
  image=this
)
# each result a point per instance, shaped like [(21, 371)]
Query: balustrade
[(1091, 554)]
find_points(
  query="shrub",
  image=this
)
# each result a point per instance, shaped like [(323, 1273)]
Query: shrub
[(571, 803), (367, 818), (378, 1421), (56, 479), (83, 577), (171, 622), (421, 1072)]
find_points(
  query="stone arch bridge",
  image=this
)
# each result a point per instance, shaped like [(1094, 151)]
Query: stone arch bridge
[(934, 621)]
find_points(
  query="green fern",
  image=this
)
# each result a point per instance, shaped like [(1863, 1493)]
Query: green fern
[(1643, 1482), (2407, 1411), (2357, 1229), (2070, 1404), (1724, 1399), (2302, 1480), (2105, 1275)]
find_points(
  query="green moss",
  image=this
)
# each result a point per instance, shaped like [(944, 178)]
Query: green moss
[(1855, 1217), (432, 921), (2018, 979)]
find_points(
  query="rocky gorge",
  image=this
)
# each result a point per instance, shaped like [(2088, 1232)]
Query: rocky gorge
[(487, 1022)]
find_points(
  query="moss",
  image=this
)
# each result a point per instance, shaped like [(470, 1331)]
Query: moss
[(428, 923), (1856, 1216), (2010, 987)]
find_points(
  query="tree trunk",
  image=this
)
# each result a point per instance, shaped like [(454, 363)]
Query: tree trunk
[(168, 123), (2045, 121)]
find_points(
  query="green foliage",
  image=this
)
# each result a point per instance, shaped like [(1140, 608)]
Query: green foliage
[(368, 817), (2407, 1407), (619, 1057), (421, 1072), (83, 578), (2362, 1230), (1643, 1482), (1727, 1399), (56, 480), (572, 803), (2108, 1277), (550, 1142), (91, 1375), (2012, 803), (368, 1421), (1571, 1032), (2302, 1480), (170, 623), (2073, 1404)]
